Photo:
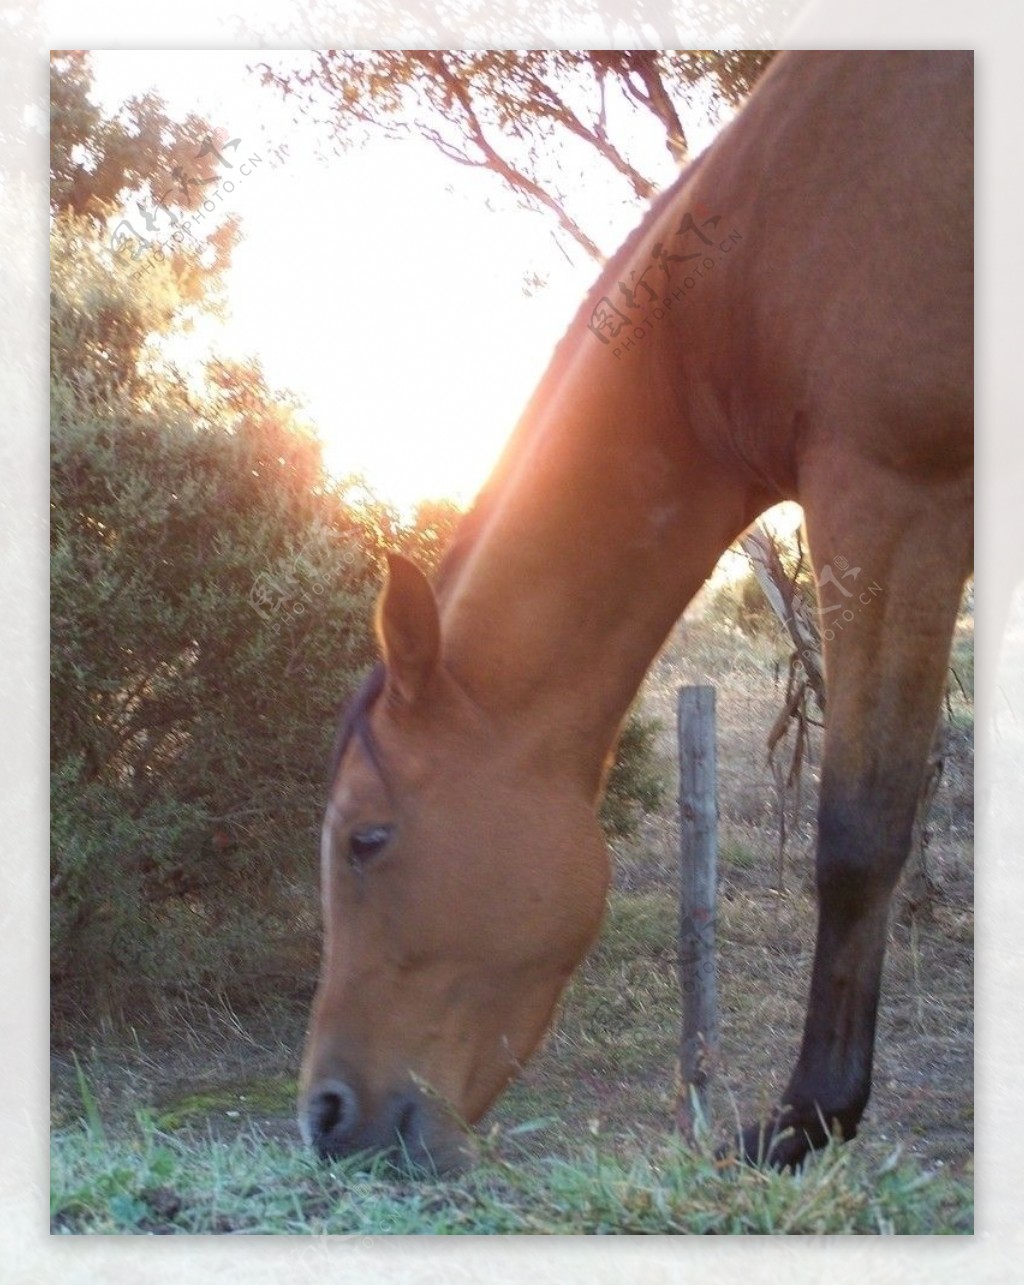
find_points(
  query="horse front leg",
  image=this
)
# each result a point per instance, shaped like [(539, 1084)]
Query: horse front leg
[(887, 631)]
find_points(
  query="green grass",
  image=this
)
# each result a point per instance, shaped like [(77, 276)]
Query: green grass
[(734, 854), (188, 1127), (146, 1181), (578, 1145), (267, 1094)]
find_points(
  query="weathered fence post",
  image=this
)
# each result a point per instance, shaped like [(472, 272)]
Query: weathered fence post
[(698, 843)]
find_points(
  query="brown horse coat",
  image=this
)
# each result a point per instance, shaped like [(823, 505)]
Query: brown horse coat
[(793, 319)]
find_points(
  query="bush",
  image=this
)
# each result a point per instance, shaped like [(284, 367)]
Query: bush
[(636, 783), (210, 607), (211, 601)]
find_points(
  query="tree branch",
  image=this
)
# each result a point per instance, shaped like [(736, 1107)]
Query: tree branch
[(554, 108), (788, 604), (655, 97), (494, 161)]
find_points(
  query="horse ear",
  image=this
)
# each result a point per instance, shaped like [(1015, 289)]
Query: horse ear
[(408, 628)]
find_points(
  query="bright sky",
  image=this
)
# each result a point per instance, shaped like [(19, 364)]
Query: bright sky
[(377, 286)]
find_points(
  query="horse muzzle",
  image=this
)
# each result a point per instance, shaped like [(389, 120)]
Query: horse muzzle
[(407, 1128)]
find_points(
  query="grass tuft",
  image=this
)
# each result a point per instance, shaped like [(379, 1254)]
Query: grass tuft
[(151, 1183)]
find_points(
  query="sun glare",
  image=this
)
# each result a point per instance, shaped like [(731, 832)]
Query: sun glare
[(383, 287), (375, 285), (410, 339)]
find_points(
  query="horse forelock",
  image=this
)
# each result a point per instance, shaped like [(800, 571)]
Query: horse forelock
[(355, 722)]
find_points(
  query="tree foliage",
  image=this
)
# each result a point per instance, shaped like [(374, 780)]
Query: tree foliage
[(136, 170), (539, 120), (97, 161)]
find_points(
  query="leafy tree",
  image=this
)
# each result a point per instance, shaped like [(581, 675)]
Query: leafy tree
[(97, 162), (133, 174)]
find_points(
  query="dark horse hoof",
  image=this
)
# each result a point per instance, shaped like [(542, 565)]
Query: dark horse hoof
[(781, 1142), (770, 1145)]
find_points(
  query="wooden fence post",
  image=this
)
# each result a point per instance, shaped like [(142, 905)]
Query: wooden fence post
[(698, 850)]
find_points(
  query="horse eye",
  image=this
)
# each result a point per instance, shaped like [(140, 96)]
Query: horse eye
[(368, 843)]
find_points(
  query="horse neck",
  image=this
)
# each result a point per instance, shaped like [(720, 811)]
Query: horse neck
[(602, 526)]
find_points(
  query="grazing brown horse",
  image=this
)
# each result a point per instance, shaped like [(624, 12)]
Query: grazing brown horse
[(793, 319)]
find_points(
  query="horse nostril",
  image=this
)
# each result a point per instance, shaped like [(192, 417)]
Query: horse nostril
[(330, 1116)]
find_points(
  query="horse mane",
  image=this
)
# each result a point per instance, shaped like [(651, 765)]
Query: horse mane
[(354, 721), (530, 422)]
